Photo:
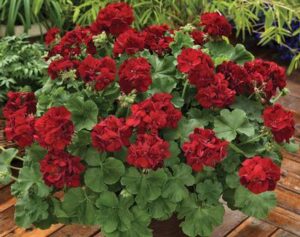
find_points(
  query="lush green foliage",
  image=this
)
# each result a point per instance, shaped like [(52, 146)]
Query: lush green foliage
[(21, 65)]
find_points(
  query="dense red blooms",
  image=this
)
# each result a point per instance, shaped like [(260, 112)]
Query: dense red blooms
[(280, 121), (20, 128), (201, 75), (154, 113), (237, 76), (190, 58), (148, 152), (129, 42), (215, 24), (61, 169), (216, 94), (17, 101), (72, 42), (259, 174), (111, 134), (100, 72), (267, 75), (57, 67), (204, 149), (135, 73), (51, 35), (156, 39), (115, 18), (54, 129), (198, 37)]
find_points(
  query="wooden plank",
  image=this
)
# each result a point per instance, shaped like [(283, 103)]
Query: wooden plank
[(34, 232), (291, 156), (230, 221), (7, 223), (252, 227), (285, 219), (76, 231), (290, 181), (5, 194), (9, 203), (291, 164), (283, 233), (288, 200)]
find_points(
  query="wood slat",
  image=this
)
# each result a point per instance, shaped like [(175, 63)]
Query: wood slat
[(230, 221), (290, 181), (285, 219), (76, 231), (252, 227), (288, 200), (283, 233), (34, 232), (7, 223)]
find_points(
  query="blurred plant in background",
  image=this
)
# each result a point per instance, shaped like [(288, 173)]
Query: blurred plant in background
[(21, 65)]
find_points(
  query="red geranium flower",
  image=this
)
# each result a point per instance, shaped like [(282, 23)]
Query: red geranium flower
[(54, 129), (61, 169), (154, 113), (259, 174), (204, 149), (57, 67), (267, 75), (115, 18), (201, 75), (101, 72), (280, 121), (130, 42), (20, 128), (190, 58), (215, 24), (51, 35), (237, 76), (198, 37), (148, 152), (135, 73), (156, 39), (17, 101), (111, 134), (217, 94)]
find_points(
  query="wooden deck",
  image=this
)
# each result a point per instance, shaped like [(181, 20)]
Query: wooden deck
[(283, 221)]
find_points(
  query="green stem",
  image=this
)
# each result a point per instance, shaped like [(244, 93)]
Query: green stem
[(19, 158), (235, 148), (184, 89), (13, 178), (253, 139), (277, 97), (16, 168)]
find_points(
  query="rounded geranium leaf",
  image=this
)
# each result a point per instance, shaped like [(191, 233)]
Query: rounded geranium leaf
[(113, 170)]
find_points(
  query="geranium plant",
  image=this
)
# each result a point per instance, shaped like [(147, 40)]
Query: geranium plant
[(139, 126)]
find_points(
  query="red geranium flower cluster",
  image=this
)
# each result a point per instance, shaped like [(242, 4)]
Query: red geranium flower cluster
[(213, 89), (51, 35), (20, 128), (57, 67), (266, 75), (148, 152), (54, 130), (129, 42), (135, 73), (154, 113), (156, 39), (115, 19), (18, 113), (215, 24), (217, 94), (204, 149), (259, 174), (60, 169), (198, 37), (280, 121), (100, 72), (111, 134), (19, 101)]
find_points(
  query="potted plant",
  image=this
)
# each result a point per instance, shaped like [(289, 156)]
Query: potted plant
[(31, 17), (140, 126)]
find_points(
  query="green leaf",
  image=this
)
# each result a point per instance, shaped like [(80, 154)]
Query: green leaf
[(93, 158), (232, 180), (113, 170), (35, 152), (256, 205), (161, 208), (80, 143), (175, 151), (93, 178), (291, 147), (209, 191), (84, 113), (7, 155), (231, 162), (181, 40), (199, 220), (230, 123), (30, 181)]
